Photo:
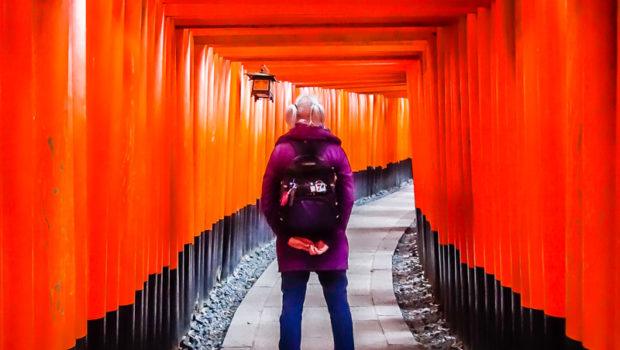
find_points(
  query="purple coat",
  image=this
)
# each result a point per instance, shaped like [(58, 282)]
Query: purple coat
[(291, 259)]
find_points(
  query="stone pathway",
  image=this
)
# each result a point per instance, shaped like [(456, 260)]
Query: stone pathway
[(373, 231)]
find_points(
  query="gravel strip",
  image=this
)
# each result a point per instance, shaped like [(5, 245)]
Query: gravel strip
[(211, 320), (413, 293)]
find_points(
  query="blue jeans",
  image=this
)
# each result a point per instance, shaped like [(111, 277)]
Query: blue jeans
[(334, 285)]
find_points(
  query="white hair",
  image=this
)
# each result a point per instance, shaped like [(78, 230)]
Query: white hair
[(307, 107), (317, 114), (291, 115)]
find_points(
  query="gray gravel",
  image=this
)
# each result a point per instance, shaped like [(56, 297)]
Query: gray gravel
[(413, 293), (212, 318)]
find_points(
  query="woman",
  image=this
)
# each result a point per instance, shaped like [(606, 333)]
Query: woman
[(298, 255)]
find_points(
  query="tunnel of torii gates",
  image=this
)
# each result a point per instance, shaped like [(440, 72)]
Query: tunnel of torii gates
[(132, 156)]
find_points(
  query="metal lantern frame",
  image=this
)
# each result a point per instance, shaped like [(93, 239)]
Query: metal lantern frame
[(262, 77)]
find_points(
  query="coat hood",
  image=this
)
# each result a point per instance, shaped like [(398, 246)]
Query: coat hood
[(306, 132)]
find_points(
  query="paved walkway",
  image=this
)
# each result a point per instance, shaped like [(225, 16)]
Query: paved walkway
[(373, 231)]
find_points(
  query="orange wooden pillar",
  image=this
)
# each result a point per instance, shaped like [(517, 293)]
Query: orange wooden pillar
[(116, 176), (211, 204), (483, 41), (488, 201), (200, 137), (131, 202), (99, 69), (453, 172), (440, 144), (162, 251), (467, 234), (532, 143), (573, 127), (441, 191), (503, 77), (477, 248), (17, 175), (77, 76), (520, 238), (182, 175), (594, 103), (465, 145), (616, 233), (459, 111), (53, 231), (219, 116), (430, 77), (551, 16), (418, 130), (152, 240), (168, 232)]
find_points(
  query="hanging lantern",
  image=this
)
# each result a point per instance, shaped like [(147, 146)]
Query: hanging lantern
[(262, 84)]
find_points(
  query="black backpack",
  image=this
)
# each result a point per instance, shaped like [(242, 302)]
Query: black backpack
[(308, 199)]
